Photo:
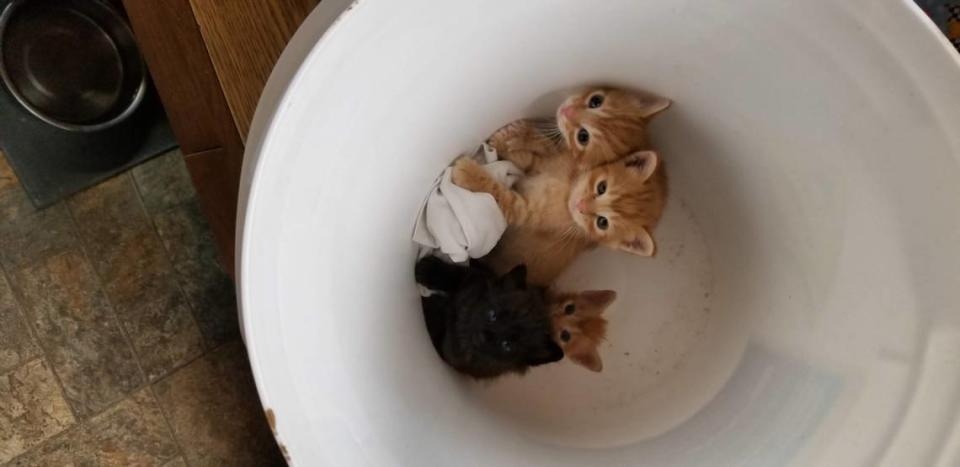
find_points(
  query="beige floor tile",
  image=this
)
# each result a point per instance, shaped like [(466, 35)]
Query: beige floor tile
[(178, 462), (132, 433), (8, 179), (32, 409)]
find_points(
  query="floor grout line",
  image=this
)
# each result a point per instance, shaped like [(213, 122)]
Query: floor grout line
[(145, 384), (166, 420), (113, 309), (136, 355), (63, 433), (163, 407), (82, 423), (156, 233), (186, 363), (31, 328), (44, 355), (19, 310)]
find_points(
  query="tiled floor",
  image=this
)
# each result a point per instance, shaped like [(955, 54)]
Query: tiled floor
[(118, 333)]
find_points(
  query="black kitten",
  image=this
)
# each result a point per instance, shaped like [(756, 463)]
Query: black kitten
[(482, 325)]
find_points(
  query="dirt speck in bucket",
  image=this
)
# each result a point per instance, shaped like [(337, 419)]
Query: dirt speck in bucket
[(271, 420)]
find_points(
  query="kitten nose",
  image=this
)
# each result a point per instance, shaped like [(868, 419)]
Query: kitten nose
[(567, 111), (582, 206)]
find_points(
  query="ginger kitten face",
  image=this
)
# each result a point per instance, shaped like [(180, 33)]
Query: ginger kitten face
[(616, 204), (600, 125), (578, 324)]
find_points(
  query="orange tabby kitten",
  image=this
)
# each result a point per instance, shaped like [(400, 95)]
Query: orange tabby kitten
[(553, 217), (601, 125), (578, 326), (594, 126)]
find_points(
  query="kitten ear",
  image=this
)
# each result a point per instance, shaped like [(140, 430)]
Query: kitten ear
[(551, 353), (641, 244), (517, 277), (599, 299), (587, 356), (644, 161), (651, 105)]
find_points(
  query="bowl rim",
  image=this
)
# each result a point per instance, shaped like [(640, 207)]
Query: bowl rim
[(132, 105)]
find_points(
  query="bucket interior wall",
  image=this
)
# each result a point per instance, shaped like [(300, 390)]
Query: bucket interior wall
[(801, 308)]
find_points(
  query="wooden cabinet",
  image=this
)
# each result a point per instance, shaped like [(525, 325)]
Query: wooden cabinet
[(210, 60)]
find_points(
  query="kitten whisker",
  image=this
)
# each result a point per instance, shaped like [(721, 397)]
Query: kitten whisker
[(551, 135), (566, 237)]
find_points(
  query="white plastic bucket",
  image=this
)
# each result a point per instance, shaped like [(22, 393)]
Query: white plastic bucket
[(802, 308)]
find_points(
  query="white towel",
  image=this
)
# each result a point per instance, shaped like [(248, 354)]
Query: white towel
[(462, 224)]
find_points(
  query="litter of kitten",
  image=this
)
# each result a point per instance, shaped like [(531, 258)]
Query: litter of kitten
[(564, 186)]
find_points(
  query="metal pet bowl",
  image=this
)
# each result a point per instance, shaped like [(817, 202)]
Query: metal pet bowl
[(72, 63)]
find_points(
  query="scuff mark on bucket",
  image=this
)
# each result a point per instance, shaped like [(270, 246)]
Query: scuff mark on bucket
[(272, 421)]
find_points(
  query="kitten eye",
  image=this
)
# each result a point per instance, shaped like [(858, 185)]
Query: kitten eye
[(506, 346), (595, 101), (569, 309), (565, 335), (491, 315), (602, 223), (583, 136), (601, 187)]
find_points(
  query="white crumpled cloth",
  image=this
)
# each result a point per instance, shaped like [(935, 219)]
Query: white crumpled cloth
[(462, 224)]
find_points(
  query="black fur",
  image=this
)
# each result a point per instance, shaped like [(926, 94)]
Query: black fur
[(482, 325)]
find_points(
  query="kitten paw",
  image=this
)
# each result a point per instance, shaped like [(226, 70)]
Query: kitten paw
[(469, 175), (509, 135)]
